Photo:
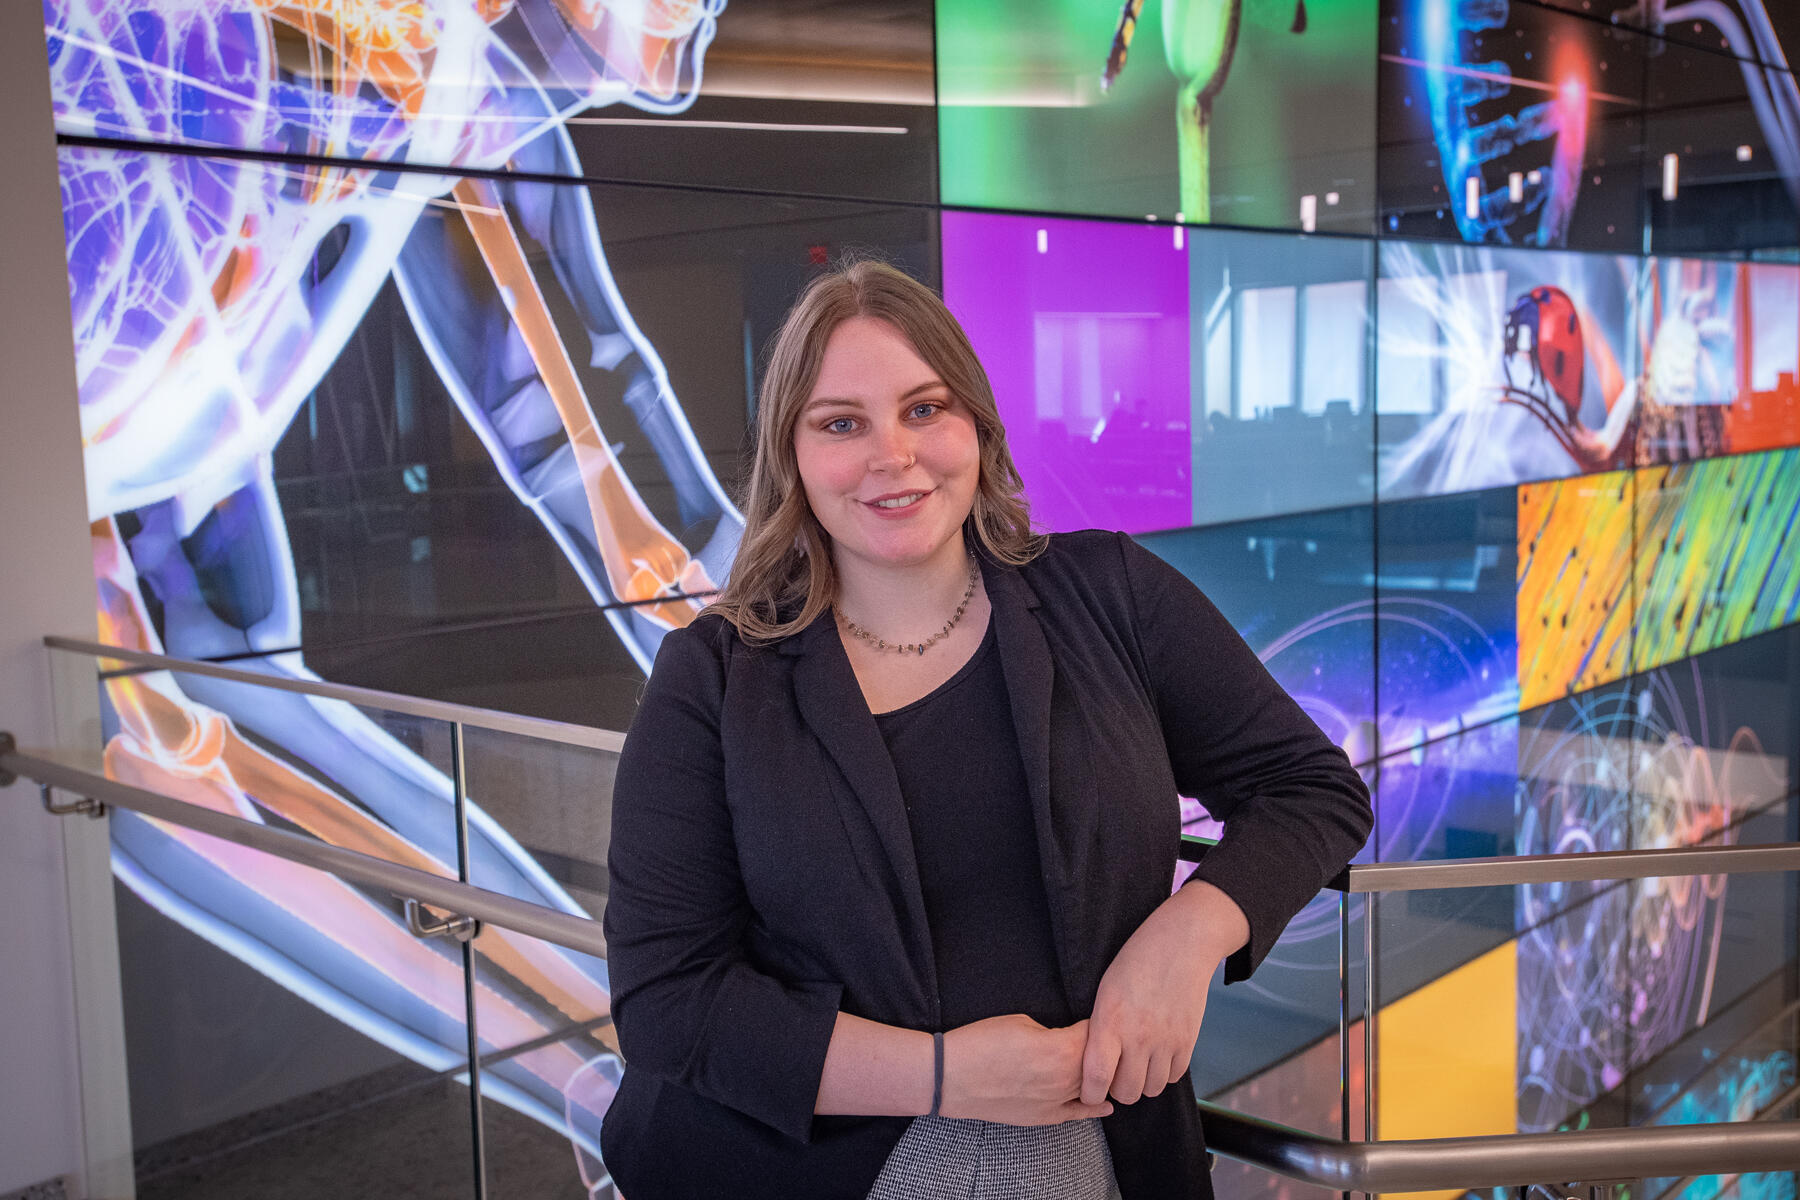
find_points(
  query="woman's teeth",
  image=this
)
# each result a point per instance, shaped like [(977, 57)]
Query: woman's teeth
[(900, 501)]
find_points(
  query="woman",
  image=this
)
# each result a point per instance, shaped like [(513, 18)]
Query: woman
[(889, 910)]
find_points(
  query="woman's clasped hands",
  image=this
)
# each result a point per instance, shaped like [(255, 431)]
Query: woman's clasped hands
[(1015, 1071), (1141, 1036), (1150, 1002)]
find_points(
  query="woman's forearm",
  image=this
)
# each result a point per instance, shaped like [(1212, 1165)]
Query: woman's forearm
[(876, 1070), (1218, 925)]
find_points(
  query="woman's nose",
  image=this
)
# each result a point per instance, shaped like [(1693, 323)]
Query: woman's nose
[(892, 450)]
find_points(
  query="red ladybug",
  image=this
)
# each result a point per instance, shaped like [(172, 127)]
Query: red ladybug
[(1545, 327)]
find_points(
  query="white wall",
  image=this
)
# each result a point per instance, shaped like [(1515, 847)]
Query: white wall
[(46, 585)]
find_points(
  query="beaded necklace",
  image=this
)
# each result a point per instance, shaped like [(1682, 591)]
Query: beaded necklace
[(919, 647)]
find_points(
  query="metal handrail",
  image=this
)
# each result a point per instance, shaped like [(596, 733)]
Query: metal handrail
[(403, 882), (1359, 878), (414, 706), (1495, 1160), (1503, 1160), (1512, 871), (1568, 868)]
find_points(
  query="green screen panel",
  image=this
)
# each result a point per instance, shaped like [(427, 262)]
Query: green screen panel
[(1262, 114)]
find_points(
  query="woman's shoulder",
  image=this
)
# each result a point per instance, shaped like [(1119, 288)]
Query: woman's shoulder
[(1084, 543), (701, 647), (710, 640), (1081, 553), (1110, 570)]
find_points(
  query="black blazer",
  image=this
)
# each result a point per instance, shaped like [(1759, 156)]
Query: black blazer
[(763, 878)]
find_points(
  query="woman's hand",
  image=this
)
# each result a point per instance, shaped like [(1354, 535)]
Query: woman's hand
[(1012, 1070), (1151, 999)]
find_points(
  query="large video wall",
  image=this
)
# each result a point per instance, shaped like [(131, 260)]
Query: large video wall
[(1453, 348)]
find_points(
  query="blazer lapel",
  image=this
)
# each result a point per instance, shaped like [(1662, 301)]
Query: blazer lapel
[(832, 705), (1064, 803), (1030, 673)]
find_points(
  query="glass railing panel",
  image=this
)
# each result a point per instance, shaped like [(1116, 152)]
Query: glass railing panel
[(539, 825), (1738, 1068), (549, 1067), (285, 1033), (362, 777), (1544, 1007), (266, 1002), (1273, 1046)]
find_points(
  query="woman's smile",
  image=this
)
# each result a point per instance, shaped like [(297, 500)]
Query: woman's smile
[(901, 505)]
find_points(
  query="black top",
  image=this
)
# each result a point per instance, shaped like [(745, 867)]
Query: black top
[(764, 880), (967, 802)]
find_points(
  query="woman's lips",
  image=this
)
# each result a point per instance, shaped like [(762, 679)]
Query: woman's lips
[(904, 510)]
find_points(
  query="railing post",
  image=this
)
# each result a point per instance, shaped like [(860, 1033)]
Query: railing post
[(1370, 908), (459, 785)]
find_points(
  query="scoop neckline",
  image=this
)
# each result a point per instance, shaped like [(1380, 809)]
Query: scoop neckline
[(962, 673)]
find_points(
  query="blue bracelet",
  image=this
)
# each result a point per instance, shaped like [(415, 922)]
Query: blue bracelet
[(937, 1073)]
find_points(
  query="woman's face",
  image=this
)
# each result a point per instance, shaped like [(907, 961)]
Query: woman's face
[(888, 457)]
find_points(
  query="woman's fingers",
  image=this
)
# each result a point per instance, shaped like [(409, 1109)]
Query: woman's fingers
[(1156, 1074), (1099, 1064), (1128, 1076)]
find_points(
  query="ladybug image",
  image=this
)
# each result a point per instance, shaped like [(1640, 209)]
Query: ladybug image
[(1545, 328)]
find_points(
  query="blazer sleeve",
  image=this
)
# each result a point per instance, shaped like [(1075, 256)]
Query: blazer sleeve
[(1295, 810), (686, 1002)]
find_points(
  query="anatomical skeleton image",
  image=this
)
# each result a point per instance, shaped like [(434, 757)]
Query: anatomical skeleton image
[(210, 295)]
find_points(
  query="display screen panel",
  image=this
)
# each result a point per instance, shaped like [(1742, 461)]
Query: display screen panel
[(1447, 687), (1300, 590), (1495, 367), (1718, 553), (693, 91), (1722, 152), (1083, 329), (1509, 124), (1282, 416), (1250, 114), (1718, 342), (1574, 599), (1730, 734), (327, 405), (337, 429), (1154, 378), (1765, 31)]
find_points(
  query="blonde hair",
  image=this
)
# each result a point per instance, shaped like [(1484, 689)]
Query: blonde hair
[(783, 577)]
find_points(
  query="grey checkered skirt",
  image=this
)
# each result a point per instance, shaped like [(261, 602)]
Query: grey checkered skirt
[(943, 1158)]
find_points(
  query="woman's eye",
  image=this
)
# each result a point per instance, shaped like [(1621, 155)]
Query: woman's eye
[(839, 425), (926, 408)]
